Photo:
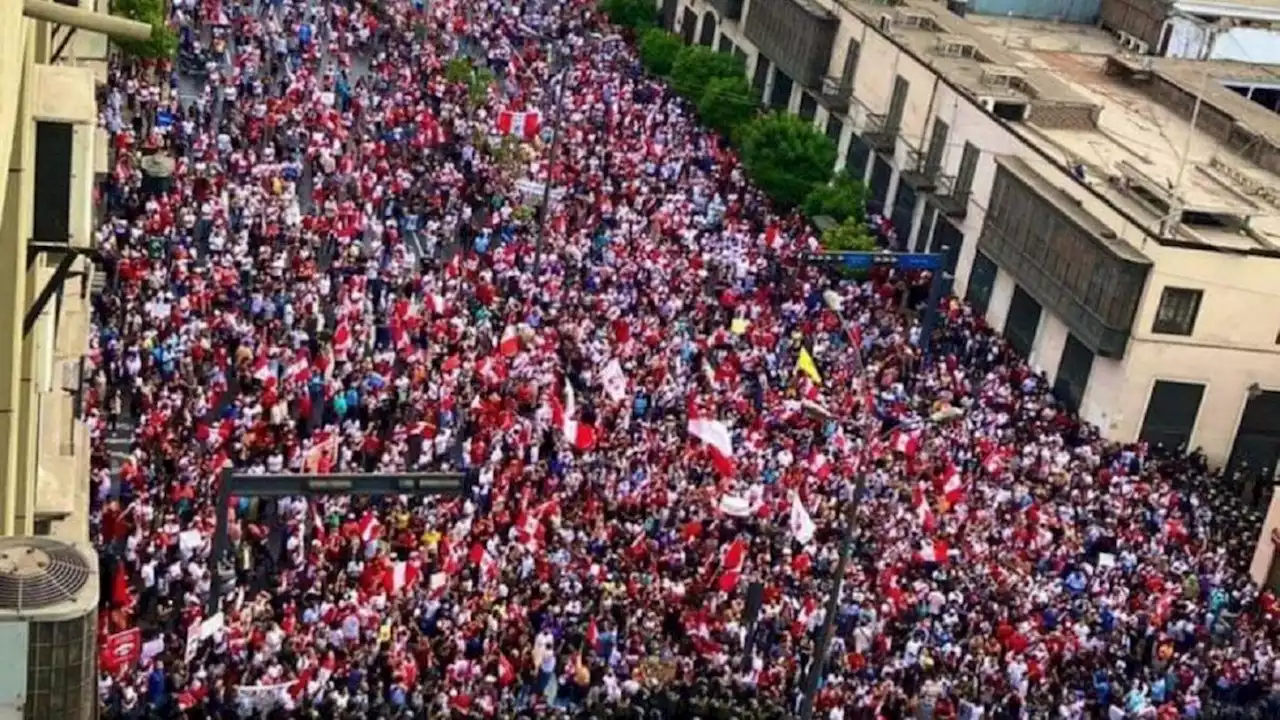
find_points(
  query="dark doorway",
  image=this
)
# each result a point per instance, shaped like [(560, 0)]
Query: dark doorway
[(51, 220), (1257, 444), (982, 279), (708, 34), (856, 158), (1171, 413), (946, 239), (881, 176), (904, 213), (688, 26), (780, 98), (669, 8), (760, 77), (1073, 373), (1022, 323)]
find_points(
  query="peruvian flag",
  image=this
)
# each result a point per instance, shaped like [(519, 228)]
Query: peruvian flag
[(934, 551), (523, 124), (735, 556), (717, 438), (262, 371), (342, 337), (952, 485), (370, 528), (399, 576), (299, 371), (905, 442), (996, 460), (924, 513), (435, 304), (581, 436), (510, 343)]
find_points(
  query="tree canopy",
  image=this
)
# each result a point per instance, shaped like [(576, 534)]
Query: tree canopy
[(842, 199), (727, 103), (849, 236), (163, 42), (696, 66), (635, 14), (659, 50), (786, 157)]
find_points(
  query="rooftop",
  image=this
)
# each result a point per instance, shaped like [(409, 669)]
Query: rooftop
[(1122, 119)]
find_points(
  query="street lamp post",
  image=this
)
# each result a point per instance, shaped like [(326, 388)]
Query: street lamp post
[(819, 660), (546, 188)]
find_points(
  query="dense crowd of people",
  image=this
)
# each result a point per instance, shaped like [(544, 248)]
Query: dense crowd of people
[(344, 273)]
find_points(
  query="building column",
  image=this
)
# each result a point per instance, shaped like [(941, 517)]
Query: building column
[(15, 229)]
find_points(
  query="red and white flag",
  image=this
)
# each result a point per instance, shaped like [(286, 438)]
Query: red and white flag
[(718, 440), (933, 551), (523, 124), (952, 485), (506, 671), (510, 343), (905, 442), (435, 304), (262, 371), (802, 526), (735, 556), (399, 576), (342, 338), (370, 528), (996, 460), (580, 435), (924, 513)]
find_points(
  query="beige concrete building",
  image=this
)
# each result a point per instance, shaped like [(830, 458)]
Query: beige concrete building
[(51, 56), (1134, 258)]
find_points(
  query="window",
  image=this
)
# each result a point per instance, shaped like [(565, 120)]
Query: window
[(964, 175), (850, 71), (835, 128), (780, 98), (982, 279), (808, 106), (726, 45), (1177, 312), (937, 146), (897, 104)]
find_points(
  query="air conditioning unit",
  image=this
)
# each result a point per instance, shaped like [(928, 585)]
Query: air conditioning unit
[(886, 23), (49, 594)]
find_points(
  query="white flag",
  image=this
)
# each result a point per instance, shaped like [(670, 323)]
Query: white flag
[(801, 524), (615, 381)]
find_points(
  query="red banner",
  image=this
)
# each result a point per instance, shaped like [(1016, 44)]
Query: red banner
[(121, 651)]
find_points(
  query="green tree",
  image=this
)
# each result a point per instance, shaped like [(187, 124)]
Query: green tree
[(849, 236), (786, 157), (727, 103), (637, 15), (842, 199), (478, 86), (696, 66), (458, 70), (659, 50), (163, 42)]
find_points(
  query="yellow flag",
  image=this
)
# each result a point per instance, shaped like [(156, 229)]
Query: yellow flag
[(739, 326), (807, 366)]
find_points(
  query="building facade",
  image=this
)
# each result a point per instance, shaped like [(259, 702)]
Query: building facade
[(51, 56), (1134, 258), (1245, 32)]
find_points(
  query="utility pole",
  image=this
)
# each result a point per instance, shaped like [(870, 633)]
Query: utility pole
[(819, 661), (546, 187)]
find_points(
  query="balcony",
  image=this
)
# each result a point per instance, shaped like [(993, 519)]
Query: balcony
[(797, 35), (881, 132), (952, 203), (835, 95), (728, 9), (920, 170)]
